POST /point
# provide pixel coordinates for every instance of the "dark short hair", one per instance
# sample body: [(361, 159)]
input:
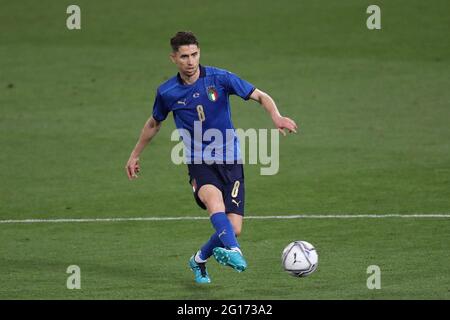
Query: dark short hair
[(183, 38)]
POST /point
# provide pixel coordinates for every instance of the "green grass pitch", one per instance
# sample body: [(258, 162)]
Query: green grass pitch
[(373, 108)]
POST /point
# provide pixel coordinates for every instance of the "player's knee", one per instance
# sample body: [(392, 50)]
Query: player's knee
[(214, 207), (213, 202)]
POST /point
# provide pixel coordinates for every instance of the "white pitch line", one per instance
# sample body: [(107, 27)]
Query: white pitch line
[(301, 216)]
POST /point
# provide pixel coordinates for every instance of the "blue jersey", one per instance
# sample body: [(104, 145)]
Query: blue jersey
[(202, 113)]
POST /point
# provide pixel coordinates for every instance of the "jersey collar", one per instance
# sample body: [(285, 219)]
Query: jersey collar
[(202, 75)]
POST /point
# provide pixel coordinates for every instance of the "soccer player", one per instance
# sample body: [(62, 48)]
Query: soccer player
[(198, 97)]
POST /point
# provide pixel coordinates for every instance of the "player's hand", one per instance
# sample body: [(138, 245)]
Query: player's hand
[(132, 168), (283, 123)]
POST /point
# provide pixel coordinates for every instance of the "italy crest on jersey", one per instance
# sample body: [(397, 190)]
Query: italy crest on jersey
[(212, 94)]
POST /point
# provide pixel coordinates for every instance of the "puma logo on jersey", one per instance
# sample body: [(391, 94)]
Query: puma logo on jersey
[(222, 233), (236, 202), (183, 102)]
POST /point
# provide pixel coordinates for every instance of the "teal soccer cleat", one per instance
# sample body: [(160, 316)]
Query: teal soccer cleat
[(200, 273), (231, 258)]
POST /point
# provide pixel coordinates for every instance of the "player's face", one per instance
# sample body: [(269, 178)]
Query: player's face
[(187, 59)]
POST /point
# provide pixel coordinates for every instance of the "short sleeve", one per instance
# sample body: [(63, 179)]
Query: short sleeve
[(160, 111), (238, 86)]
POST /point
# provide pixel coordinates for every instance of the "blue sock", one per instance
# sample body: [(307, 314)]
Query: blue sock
[(207, 249), (224, 230)]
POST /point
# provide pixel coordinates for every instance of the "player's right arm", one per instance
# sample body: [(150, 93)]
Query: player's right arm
[(267, 102), (150, 129)]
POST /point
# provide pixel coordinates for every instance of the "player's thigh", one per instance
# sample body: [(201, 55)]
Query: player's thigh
[(236, 221), (211, 196)]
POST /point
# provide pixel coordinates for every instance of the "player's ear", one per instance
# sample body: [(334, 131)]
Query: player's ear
[(172, 56)]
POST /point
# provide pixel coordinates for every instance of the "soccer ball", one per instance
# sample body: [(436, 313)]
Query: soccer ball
[(299, 258)]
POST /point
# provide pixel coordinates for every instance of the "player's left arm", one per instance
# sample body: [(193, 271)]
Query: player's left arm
[(279, 121)]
